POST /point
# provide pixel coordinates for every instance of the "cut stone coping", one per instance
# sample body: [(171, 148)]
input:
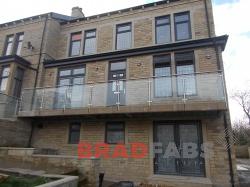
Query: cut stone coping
[(16, 148), (63, 180)]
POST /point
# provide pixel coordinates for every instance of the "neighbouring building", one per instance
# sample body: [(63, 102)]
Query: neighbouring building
[(146, 74)]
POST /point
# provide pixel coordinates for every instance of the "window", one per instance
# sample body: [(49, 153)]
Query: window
[(90, 42), (9, 45), (182, 26), (123, 36), (115, 132), (179, 135), (186, 83), (18, 79), (74, 132), (4, 78), (19, 43), (75, 44), (162, 30), (162, 74), (70, 87)]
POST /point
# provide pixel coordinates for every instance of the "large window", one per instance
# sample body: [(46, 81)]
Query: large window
[(185, 70), (162, 74), (18, 79), (182, 26), (18, 44), (186, 138), (124, 36), (75, 44), (162, 30), (8, 45), (74, 132), (90, 42), (115, 132), (4, 78), (70, 89)]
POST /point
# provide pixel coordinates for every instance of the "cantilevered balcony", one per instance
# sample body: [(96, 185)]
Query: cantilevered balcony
[(189, 92)]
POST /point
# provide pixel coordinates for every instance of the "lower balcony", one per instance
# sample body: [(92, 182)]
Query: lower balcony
[(189, 92)]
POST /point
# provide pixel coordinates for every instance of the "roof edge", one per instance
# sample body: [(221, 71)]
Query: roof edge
[(154, 49)]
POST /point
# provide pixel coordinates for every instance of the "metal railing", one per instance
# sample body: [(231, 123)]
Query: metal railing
[(147, 91), (8, 106)]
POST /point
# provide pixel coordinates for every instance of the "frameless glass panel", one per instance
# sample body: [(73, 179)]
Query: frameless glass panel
[(118, 66), (182, 31), (124, 40), (90, 46), (165, 136), (163, 34), (191, 163), (76, 96), (186, 83), (163, 85)]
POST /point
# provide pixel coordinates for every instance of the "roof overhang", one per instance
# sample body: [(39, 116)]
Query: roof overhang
[(16, 59), (185, 45)]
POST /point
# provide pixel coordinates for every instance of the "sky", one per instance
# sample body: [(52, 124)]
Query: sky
[(231, 17)]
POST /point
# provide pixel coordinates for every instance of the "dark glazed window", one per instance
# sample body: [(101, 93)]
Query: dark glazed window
[(4, 78), (182, 26), (8, 45), (162, 74), (115, 133), (90, 42), (74, 132), (179, 135), (123, 36), (70, 90), (185, 70), (75, 44), (18, 80), (19, 43), (162, 30)]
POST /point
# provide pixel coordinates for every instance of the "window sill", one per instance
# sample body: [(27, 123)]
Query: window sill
[(181, 179)]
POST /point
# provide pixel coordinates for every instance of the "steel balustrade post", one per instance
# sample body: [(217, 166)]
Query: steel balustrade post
[(91, 96), (184, 90), (149, 92), (42, 100), (118, 94)]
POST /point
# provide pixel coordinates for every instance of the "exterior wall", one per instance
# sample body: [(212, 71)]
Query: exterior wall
[(14, 133), (137, 67), (54, 134), (143, 26)]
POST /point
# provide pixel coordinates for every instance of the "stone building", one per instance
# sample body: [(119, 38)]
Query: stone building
[(146, 74)]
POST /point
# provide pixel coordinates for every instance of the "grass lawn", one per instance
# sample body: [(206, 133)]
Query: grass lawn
[(14, 181)]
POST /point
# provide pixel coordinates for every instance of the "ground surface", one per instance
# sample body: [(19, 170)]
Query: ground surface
[(243, 169)]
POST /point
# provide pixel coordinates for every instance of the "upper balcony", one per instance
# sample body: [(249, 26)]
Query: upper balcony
[(189, 92)]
